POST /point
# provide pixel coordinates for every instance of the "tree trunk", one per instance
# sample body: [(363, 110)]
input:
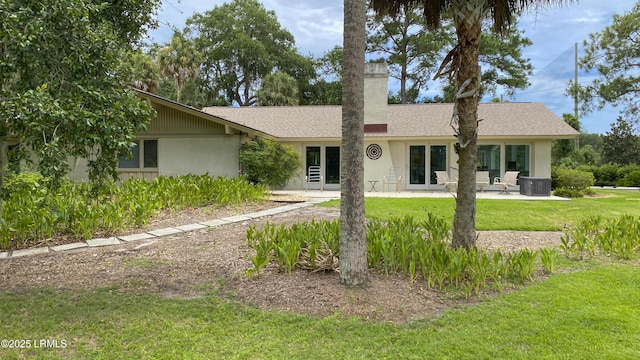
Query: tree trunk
[(353, 240), (403, 71), (468, 18), (3, 166)]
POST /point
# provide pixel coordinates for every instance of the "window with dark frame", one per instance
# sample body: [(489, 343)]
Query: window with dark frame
[(147, 150)]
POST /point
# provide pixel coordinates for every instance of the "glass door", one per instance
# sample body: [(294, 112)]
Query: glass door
[(332, 165), (417, 166), (438, 160), (489, 160), (312, 160)]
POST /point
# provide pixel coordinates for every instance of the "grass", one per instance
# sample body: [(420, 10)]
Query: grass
[(592, 313), (524, 215)]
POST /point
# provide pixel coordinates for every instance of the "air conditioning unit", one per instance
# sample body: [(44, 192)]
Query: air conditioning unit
[(535, 186)]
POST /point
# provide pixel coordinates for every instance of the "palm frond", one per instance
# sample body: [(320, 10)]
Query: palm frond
[(501, 11)]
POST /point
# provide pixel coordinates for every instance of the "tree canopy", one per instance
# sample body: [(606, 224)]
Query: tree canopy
[(620, 145), (180, 61), (241, 43), (279, 89), (412, 52), (64, 73), (615, 54), (326, 87)]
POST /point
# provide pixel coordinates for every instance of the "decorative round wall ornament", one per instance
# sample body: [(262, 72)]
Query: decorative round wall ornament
[(374, 151)]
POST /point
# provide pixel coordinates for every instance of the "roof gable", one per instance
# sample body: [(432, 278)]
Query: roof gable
[(180, 118)]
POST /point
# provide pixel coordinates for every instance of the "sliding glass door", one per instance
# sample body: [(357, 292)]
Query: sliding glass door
[(328, 159), (417, 164), (423, 165), (332, 165)]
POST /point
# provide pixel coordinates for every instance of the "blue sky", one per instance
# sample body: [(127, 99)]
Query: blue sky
[(317, 28)]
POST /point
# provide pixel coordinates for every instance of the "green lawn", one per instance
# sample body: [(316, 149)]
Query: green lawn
[(535, 215), (588, 314)]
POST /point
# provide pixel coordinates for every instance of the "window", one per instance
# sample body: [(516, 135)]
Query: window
[(489, 160), (517, 159), (147, 150)]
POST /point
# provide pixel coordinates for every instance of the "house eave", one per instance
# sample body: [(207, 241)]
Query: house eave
[(199, 113), (386, 137)]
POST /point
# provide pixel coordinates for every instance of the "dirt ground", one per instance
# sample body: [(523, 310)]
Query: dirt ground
[(214, 260)]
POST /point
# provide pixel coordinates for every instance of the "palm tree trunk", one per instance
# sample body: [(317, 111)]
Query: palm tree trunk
[(353, 241), (468, 15)]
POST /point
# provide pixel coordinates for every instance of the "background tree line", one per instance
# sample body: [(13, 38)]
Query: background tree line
[(238, 53)]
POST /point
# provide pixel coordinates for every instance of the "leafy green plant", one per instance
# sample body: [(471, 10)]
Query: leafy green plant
[(631, 179), (612, 237), (521, 265), (399, 245), (573, 179), (268, 162), (606, 175), (567, 193), (549, 258), (35, 211)]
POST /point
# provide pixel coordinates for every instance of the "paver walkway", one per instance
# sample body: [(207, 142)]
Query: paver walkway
[(157, 233)]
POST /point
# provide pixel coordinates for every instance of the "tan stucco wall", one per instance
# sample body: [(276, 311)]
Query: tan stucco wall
[(216, 155), (541, 162), (378, 170), (79, 169), (296, 182)]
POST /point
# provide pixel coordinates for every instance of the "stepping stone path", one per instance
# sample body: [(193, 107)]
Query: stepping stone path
[(158, 233)]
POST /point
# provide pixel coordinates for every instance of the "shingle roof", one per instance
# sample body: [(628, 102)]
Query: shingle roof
[(416, 120)]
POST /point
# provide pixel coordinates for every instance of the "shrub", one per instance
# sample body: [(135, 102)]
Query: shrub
[(567, 193), (606, 175), (631, 179), (574, 179), (269, 163), (554, 177), (24, 183), (628, 175)]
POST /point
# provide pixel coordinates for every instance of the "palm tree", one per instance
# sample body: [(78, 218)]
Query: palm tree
[(279, 89), (353, 241), (462, 63), (146, 72), (179, 60)]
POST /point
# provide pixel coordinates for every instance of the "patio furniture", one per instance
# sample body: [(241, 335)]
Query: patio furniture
[(314, 176), (442, 178), (509, 179), (372, 185), (393, 178), (482, 179)]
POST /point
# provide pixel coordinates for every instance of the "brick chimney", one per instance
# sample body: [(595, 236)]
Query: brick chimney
[(376, 80)]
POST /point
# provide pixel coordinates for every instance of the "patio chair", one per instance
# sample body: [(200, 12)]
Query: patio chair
[(392, 179), (442, 178), (510, 178), (482, 179), (314, 176)]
